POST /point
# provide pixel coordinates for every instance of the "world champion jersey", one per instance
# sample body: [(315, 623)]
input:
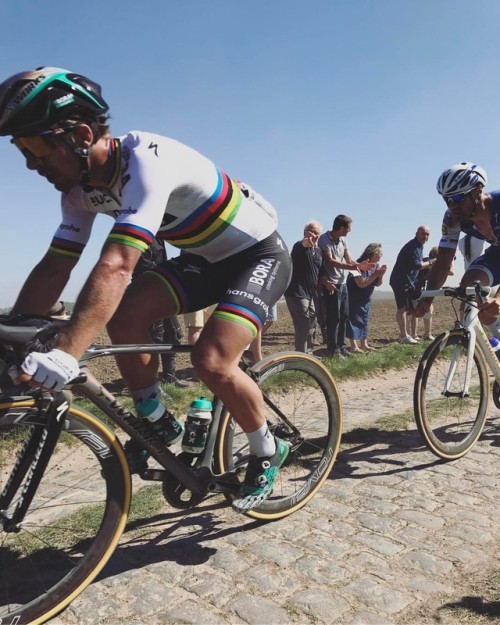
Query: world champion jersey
[(451, 228), (164, 188)]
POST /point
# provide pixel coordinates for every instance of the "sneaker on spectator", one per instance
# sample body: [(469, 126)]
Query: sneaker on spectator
[(338, 354), (429, 337), (415, 337), (259, 479), (169, 378), (408, 340)]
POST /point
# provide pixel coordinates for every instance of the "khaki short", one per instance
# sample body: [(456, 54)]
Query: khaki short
[(198, 318)]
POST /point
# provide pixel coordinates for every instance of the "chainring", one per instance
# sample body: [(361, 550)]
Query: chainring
[(176, 493)]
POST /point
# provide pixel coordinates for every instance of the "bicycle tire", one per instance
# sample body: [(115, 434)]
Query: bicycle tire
[(304, 390), (74, 522), (450, 424)]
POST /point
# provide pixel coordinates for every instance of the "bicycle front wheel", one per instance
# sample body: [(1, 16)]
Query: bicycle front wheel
[(74, 521), (450, 406), (303, 407)]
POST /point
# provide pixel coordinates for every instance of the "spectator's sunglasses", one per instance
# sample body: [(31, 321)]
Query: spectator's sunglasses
[(40, 145), (457, 198)]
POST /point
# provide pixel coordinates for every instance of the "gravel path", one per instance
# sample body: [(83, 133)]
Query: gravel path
[(391, 536)]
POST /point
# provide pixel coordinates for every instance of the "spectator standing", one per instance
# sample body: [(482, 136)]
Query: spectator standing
[(167, 330), (420, 285), (404, 274), (336, 260), (301, 293), (360, 287)]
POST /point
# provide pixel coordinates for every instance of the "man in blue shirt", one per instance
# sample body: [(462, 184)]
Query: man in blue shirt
[(404, 274)]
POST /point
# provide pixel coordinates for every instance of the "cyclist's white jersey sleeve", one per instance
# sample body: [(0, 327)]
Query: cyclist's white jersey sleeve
[(450, 231), (168, 189)]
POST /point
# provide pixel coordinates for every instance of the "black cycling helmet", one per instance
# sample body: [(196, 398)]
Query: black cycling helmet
[(34, 101)]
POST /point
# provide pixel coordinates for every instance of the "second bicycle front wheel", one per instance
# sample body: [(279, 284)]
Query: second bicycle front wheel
[(302, 407), (76, 517), (450, 405)]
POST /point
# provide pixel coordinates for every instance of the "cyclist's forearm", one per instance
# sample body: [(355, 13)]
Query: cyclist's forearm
[(99, 298), (43, 287), (94, 307), (437, 275)]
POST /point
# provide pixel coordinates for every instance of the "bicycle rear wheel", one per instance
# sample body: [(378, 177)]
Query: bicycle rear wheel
[(449, 416), (302, 407), (74, 521)]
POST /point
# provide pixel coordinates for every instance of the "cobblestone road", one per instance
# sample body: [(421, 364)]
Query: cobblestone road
[(392, 529)]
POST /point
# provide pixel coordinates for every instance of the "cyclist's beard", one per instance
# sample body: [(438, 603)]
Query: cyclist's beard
[(462, 214)]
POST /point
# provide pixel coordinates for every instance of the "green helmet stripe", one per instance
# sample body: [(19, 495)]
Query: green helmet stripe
[(62, 77)]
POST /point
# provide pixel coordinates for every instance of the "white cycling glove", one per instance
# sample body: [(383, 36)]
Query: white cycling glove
[(52, 370)]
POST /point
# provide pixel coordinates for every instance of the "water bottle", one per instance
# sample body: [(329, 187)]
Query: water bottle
[(495, 345), (197, 424), (165, 424)]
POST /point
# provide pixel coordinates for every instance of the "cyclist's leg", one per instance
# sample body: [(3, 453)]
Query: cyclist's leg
[(256, 279), (173, 287), (145, 301), (252, 282), (216, 356), (308, 416)]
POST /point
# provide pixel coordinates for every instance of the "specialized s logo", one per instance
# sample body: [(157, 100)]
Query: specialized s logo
[(153, 146)]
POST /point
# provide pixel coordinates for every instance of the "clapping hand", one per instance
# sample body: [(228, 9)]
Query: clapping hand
[(366, 265)]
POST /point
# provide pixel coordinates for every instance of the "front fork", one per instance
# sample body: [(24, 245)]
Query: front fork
[(32, 460), (457, 355)]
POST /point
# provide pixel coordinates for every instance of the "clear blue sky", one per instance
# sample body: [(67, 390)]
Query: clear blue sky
[(325, 107)]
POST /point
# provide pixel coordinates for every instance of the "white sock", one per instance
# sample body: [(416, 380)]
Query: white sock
[(262, 443), (146, 393)]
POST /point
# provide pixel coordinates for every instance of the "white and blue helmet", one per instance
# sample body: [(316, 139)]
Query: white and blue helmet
[(461, 178)]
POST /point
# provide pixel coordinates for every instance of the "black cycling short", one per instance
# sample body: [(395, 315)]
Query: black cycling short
[(244, 286)]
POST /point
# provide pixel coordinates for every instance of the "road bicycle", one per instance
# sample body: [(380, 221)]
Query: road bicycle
[(452, 384), (65, 484)]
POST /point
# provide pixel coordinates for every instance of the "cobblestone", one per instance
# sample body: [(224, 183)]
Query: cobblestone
[(393, 529)]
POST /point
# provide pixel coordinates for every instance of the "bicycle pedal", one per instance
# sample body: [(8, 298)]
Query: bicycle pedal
[(153, 475)]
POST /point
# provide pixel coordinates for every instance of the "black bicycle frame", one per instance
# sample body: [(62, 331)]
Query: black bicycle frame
[(198, 480)]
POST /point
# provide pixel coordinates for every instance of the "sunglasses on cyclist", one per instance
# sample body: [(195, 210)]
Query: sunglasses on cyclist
[(34, 146), (457, 198), (39, 145)]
